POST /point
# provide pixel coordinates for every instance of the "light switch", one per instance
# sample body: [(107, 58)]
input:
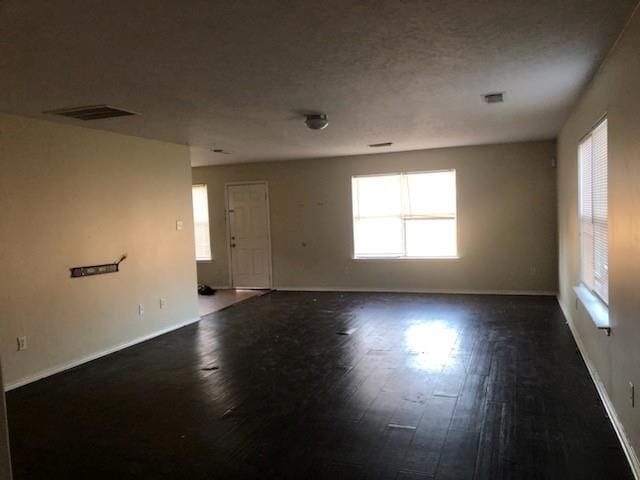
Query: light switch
[(179, 225)]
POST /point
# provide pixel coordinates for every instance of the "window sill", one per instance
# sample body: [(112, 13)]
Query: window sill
[(597, 310), (405, 258)]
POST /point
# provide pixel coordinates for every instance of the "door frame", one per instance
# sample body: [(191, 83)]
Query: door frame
[(228, 226)]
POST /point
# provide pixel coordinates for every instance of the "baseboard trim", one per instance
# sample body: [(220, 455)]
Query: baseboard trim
[(74, 363), (630, 453), (546, 293)]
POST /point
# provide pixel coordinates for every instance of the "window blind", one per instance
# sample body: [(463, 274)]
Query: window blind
[(594, 223), (201, 222)]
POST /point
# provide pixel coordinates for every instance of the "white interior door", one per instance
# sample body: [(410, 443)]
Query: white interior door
[(249, 235)]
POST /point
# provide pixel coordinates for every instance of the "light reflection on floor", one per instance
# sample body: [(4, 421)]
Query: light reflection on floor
[(430, 344)]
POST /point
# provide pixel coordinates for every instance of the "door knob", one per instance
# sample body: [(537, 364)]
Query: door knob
[(233, 245)]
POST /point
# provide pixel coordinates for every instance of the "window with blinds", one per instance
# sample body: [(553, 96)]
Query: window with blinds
[(594, 224), (201, 222), (407, 215)]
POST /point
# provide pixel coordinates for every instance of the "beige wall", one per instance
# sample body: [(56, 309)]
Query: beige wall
[(615, 92), (72, 196), (506, 221)]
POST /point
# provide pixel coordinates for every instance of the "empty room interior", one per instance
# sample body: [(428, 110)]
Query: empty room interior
[(329, 240)]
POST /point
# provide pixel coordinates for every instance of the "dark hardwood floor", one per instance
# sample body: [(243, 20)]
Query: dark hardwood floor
[(281, 386)]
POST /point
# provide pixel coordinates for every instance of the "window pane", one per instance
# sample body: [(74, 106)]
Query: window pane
[(586, 178), (378, 196), (432, 193), (600, 267), (600, 211), (431, 238), (594, 229), (378, 236), (200, 204), (587, 251), (203, 247), (201, 222)]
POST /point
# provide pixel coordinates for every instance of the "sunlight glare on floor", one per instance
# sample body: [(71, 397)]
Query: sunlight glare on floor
[(429, 344)]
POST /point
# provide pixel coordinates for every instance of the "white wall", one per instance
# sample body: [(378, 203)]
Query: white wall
[(72, 196), (614, 91), (506, 221)]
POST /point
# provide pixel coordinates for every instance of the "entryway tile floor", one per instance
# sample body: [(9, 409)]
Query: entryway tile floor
[(223, 299)]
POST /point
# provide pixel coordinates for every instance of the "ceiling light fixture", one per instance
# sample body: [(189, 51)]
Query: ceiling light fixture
[(497, 97), (316, 121)]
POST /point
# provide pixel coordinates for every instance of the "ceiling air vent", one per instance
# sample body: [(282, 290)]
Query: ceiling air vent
[(378, 145), (91, 112), (494, 97)]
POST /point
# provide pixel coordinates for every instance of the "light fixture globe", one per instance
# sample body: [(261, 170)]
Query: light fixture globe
[(316, 121)]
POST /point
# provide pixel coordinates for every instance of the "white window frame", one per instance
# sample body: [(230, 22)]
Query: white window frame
[(404, 218), (210, 258), (585, 289)]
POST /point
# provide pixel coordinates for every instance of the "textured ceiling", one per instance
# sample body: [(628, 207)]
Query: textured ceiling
[(238, 75)]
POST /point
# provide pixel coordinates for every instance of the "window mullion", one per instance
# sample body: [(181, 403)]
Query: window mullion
[(404, 192)]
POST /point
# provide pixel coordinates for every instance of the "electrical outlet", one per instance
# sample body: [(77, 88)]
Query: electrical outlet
[(163, 302), (632, 395), (140, 309), (22, 343)]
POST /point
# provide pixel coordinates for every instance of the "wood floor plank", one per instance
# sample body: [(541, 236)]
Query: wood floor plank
[(425, 387)]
